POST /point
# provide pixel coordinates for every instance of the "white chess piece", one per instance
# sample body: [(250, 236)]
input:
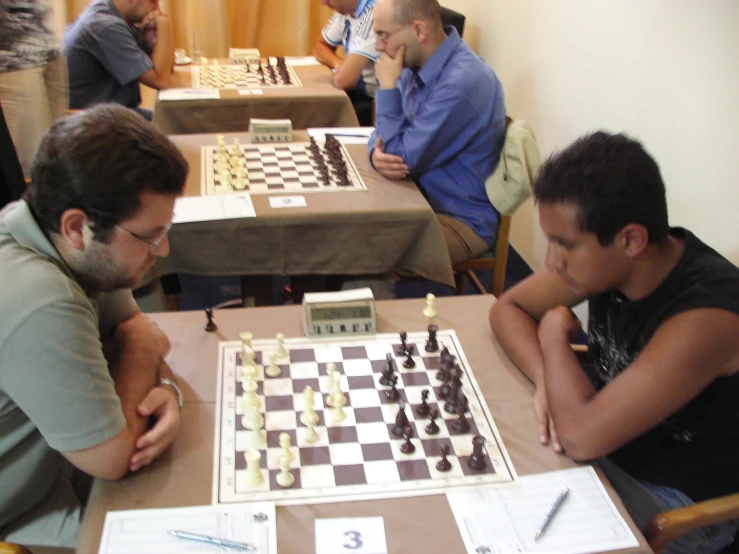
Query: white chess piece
[(430, 310), (281, 352), (338, 401), (285, 478), (253, 420), (309, 417), (253, 475), (331, 375), (246, 338), (273, 370)]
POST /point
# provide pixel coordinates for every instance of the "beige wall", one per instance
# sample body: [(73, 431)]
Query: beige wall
[(662, 70)]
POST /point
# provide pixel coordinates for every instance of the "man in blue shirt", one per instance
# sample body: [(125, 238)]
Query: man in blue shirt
[(440, 120), (108, 55), (351, 27)]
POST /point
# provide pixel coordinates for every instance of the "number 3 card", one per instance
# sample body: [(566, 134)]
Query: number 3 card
[(357, 535)]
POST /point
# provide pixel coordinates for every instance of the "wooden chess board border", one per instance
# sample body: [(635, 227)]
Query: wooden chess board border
[(198, 69), (207, 169), (505, 473)]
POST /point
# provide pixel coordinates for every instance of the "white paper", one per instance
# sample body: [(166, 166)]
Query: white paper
[(505, 520), (359, 535), (189, 94), (251, 91), (287, 202), (145, 531), (301, 60), (213, 208), (347, 135)]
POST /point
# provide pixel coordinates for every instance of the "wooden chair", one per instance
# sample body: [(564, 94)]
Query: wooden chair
[(12, 548), (496, 261), (669, 525)]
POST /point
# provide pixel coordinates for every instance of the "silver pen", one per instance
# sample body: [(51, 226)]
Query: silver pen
[(552, 512), (225, 543)]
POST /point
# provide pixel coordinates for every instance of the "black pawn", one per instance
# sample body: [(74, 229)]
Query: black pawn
[(403, 348), (477, 460), (392, 394), (461, 425), (432, 428), (210, 325), (444, 464), (407, 447), (387, 373), (401, 422), (431, 344), (423, 409), (409, 363)]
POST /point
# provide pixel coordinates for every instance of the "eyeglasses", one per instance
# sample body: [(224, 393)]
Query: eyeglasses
[(153, 242), (383, 37)]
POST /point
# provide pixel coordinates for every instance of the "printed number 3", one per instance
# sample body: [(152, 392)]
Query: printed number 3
[(355, 538)]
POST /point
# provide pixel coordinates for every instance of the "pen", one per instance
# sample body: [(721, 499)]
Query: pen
[(213, 540), (552, 512), (357, 135)]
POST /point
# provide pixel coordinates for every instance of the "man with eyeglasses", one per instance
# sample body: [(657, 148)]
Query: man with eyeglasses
[(351, 27), (440, 120), (83, 382)]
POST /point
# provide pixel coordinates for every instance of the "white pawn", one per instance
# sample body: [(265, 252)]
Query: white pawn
[(285, 478), (281, 352), (246, 338), (273, 370), (430, 310), (309, 417), (253, 475), (331, 375)]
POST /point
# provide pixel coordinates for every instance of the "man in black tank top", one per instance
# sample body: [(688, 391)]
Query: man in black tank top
[(662, 410)]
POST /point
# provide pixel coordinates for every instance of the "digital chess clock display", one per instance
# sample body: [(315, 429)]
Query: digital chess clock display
[(350, 312)]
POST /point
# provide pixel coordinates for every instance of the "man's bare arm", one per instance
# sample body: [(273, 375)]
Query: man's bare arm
[(347, 71), (140, 347), (326, 54), (160, 76)]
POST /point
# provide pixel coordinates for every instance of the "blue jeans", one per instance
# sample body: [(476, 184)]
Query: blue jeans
[(645, 500)]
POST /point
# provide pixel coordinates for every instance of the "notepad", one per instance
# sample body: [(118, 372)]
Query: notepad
[(505, 520), (213, 208)]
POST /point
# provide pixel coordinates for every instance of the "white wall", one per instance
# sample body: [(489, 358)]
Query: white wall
[(666, 71)]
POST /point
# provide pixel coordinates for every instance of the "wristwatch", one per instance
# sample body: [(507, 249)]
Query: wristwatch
[(165, 382)]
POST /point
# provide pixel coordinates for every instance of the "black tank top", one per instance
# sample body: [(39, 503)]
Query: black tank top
[(696, 450)]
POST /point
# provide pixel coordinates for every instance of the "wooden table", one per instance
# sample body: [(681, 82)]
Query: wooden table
[(315, 104), (390, 227), (182, 476)]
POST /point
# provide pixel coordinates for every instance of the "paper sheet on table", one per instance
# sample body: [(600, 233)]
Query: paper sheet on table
[(301, 60), (213, 208), (347, 135), (505, 520), (145, 531), (189, 94)]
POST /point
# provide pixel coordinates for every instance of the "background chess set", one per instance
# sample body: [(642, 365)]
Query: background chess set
[(225, 76), (359, 458), (273, 168)]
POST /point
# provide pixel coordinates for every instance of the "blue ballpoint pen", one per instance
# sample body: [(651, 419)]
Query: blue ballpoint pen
[(246, 547), (552, 513)]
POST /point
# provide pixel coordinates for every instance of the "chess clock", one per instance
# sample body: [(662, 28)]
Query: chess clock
[(270, 130), (342, 313), (243, 56)]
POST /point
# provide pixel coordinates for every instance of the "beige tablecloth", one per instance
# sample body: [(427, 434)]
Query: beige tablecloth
[(422, 525), (390, 227), (315, 104)]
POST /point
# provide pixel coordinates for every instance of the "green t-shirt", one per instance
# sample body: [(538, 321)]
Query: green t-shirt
[(56, 392)]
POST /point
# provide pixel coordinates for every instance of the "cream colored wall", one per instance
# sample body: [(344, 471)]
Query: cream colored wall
[(661, 70)]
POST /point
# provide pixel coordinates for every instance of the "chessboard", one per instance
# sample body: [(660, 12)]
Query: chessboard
[(278, 168), (362, 456), (273, 72)]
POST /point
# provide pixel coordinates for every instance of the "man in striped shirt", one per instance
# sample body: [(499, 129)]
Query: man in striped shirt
[(351, 27)]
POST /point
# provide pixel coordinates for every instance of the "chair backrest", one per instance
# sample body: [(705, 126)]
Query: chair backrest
[(510, 184), (450, 17), (12, 183)]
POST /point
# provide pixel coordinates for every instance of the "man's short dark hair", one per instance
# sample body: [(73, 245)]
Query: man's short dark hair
[(100, 161), (612, 180), (408, 11)]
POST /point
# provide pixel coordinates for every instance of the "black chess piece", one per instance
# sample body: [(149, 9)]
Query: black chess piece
[(392, 394), (444, 464), (401, 421), (477, 459), (432, 344), (407, 447), (403, 348), (409, 363), (432, 428), (388, 371), (423, 409), (210, 325), (445, 354), (461, 425)]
